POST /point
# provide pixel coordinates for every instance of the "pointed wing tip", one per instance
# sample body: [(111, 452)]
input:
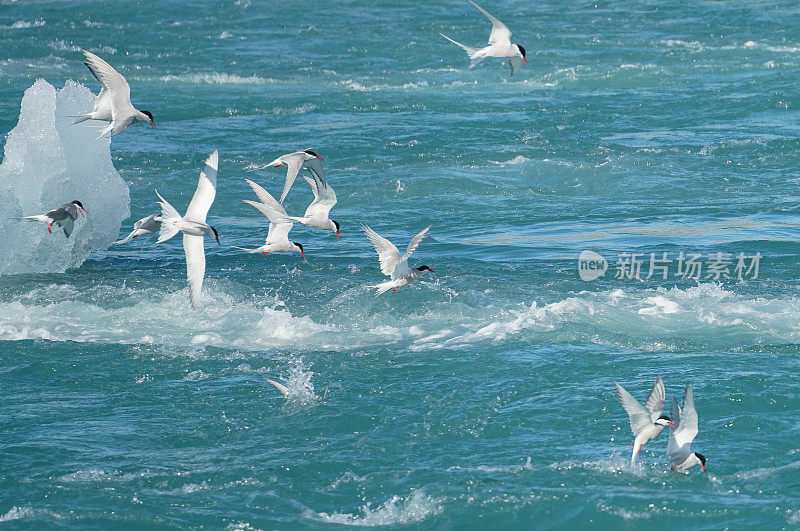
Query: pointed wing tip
[(213, 159)]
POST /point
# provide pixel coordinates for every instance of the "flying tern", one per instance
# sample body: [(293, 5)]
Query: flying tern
[(295, 161), (113, 104), (193, 225), (144, 226), (316, 215), (500, 45), (279, 224), (63, 216), (392, 263)]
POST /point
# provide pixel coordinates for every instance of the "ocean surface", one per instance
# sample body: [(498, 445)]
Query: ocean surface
[(481, 397)]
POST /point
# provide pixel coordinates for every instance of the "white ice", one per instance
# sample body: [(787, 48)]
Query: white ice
[(48, 162)]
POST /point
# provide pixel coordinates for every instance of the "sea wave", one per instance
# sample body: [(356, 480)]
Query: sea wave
[(415, 507)]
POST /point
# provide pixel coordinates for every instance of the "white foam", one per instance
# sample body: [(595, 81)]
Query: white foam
[(153, 317), (24, 24), (415, 507), (17, 513), (48, 162), (216, 78), (519, 159)]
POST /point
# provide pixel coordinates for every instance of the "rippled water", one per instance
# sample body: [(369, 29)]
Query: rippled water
[(481, 397)]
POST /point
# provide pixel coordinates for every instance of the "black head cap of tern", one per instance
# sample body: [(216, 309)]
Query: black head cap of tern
[(78, 203), (425, 268), (150, 115), (216, 234), (300, 247), (312, 153), (702, 459), (522, 51), (668, 421)]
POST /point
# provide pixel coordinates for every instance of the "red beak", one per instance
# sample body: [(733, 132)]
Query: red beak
[(431, 270), (526, 61), (152, 124), (672, 424), (304, 255), (320, 158), (337, 234), (704, 467)]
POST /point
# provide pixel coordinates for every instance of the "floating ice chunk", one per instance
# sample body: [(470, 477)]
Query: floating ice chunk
[(48, 162)]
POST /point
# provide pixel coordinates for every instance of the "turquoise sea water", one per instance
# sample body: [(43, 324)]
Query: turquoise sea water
[(481, 397)]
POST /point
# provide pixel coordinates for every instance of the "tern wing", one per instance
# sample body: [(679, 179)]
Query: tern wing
[(315, 167), (265, 197), (67, 225), (324, 198), (638, 414), (655, 401), (114, 82), (206, 190), (103, 103), (388, 255), (500, 32), (167, 211), (680, 439), (293, 161), (279, 224), (515, 63), (195, 265), (415, 241), (280, 387)]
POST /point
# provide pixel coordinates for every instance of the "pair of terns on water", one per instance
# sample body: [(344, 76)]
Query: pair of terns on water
[(647, 423)]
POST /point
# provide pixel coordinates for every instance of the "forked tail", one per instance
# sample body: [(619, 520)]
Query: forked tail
[(473, 53)]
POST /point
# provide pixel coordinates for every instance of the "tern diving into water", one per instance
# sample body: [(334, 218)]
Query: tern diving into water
[(113, 104), (144, 226), (500, 45), (647, 422), (193, 226), (279, 224), (63, 216), (295, 161), (316, 215), (679, 449), (392, 264)]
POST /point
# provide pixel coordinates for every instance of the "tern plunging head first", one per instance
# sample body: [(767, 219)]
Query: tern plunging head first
[(702, 459), (153, 124), (336, 224)]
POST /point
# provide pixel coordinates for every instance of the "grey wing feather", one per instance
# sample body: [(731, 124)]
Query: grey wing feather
[(315, 167), (67, 224), (638, 414), (415, 241), (515, 63), (655, 401)]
